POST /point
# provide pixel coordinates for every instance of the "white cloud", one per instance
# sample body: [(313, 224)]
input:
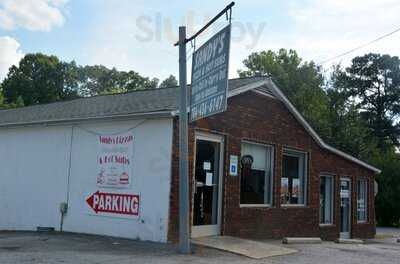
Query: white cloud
[(10, 54), (35, 15), (327, 28), (139, 36), (142, 38)]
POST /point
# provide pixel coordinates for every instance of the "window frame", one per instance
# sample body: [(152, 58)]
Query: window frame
[(333, 189), (298, 154), (272, 162), (366, 201)]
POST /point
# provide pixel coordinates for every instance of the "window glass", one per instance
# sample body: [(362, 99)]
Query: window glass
[(362, 199), (293, 180), (256, 174), (326, 200)]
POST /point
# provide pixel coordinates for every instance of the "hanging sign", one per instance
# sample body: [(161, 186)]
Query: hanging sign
[(114, 203), (115, 161), (210, 76)]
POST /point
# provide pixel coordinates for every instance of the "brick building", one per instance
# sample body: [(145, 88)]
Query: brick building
[(261, 120), (256, 170)]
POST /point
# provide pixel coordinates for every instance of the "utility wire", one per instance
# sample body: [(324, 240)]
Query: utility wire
[(359, 47), (111, 134)]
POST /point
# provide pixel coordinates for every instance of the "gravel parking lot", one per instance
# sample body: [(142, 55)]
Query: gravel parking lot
[(29, 247)]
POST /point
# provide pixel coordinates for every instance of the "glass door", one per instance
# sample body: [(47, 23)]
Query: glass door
[(207, 187), (345, 208)]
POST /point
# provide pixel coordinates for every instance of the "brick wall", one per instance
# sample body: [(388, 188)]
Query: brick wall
[(262, 119)]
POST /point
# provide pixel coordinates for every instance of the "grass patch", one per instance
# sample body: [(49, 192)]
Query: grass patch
[(383, 236)]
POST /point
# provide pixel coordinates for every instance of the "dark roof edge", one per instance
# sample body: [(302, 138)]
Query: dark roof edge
[(111, 94), (279, 95), (87, 98), (156, 114), (312, 132), (237, 91)]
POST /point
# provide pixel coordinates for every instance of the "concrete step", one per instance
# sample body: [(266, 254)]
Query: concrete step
[(349, 241), (301, 240), (249, 248)]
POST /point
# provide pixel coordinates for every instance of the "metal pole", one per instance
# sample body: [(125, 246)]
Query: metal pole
[(184, 243)]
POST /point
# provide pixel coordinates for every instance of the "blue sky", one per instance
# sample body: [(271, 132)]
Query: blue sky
[(138, 35)]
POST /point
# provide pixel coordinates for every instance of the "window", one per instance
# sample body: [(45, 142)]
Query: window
[(326, 200), (293, 181), (362, 200), (256, 174)]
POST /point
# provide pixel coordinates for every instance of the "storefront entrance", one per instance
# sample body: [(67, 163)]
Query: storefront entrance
[(345, 207), (207, 186)]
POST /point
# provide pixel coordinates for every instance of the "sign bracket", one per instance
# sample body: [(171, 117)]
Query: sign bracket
[(184, 241), (226, 9)]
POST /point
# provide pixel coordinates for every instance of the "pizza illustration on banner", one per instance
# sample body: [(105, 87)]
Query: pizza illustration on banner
[(115, 160)]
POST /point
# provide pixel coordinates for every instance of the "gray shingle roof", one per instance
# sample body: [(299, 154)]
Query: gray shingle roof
[(144, 101)]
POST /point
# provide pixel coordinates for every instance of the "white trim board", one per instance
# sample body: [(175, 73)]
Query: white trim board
[(280, 96), (311, 131)]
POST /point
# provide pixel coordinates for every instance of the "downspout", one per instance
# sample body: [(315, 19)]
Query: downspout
[(64, 205)]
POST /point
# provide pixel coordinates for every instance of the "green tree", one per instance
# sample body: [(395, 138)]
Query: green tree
[(151, 83), (42, 79), (348, 130), (387, 200), (3, 105), (301, 82), (39, 79), (98, 79), (171, 81), (372, 82), (366, 97)]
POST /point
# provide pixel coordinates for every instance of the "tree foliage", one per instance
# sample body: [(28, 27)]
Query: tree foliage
[(171, 81), (41, 78), (356, 110), (3, 105), (98, 79), (373, 83), (300, 81), (348, 131), (387, 201)]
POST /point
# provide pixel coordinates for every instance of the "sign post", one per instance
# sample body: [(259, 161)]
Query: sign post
[(212, 61), (184, 243)]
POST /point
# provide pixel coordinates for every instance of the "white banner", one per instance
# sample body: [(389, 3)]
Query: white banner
[(115, 161)]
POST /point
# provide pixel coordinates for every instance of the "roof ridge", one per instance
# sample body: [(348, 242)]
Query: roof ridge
[(88, 97), (113, 94)]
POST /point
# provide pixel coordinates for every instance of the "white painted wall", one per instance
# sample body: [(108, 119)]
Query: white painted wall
[(33, 176), (34, 165)]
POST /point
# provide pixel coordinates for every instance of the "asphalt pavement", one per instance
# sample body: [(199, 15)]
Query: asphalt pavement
[(43, 248)]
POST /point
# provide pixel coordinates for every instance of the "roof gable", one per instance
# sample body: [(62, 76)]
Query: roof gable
[(279, 95), (152, 102), (268, 88)]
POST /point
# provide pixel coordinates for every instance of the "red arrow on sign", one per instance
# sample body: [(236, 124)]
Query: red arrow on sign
[(114, 203)]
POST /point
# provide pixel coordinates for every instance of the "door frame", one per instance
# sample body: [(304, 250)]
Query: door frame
[(209, 230), (346, 235)]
